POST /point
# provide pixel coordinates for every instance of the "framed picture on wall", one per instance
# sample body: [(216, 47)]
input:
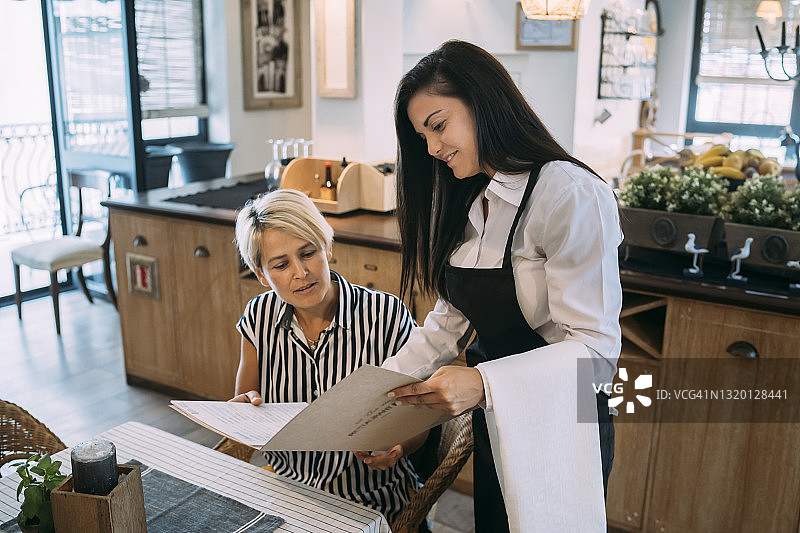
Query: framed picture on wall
[(271, 53), (335, 40), (545, 34)]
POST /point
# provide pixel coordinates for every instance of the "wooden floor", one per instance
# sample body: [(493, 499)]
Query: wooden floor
[(75, 383)]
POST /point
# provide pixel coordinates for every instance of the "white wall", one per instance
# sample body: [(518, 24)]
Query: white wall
[(674, 64), (229, 122), (392, 35), (601, 146), (546, 78), (362, 128), (561, 86)]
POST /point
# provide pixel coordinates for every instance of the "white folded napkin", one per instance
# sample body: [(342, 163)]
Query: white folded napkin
[(548, 463)]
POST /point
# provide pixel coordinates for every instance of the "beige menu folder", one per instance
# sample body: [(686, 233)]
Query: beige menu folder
[(354, 414)]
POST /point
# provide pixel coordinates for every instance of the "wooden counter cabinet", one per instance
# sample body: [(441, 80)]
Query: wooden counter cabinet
[(186, 337), (695, 470), (634, 445), (729, 476), (377, 269)]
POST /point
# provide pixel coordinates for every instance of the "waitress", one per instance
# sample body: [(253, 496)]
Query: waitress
[(517, 237)]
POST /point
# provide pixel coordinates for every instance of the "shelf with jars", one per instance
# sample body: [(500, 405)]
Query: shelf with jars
[(628, 52)]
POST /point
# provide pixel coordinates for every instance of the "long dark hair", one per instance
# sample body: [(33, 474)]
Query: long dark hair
[(432, 204)]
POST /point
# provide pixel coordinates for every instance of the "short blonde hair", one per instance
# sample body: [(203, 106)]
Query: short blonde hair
[(285, 210)]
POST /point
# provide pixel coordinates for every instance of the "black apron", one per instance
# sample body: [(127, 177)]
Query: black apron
[(487, 297)]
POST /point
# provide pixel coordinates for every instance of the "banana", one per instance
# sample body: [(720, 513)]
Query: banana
[(712, 161), (733, 161), (728, 172), (717, 149)]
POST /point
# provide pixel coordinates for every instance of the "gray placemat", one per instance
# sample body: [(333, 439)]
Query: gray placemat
[(171, 504), (10, 526)]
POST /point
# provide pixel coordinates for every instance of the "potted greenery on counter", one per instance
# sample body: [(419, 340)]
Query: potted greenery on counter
[(793, 209), (698, 192), (38, 479), (663, 207), (647, 189), (763, 210)]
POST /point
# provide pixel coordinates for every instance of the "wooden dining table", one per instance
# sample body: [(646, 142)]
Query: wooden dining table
[(304, 508)]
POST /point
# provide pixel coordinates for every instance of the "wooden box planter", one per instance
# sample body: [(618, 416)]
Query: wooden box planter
[(771, 247), (663, 230), (121, 511)]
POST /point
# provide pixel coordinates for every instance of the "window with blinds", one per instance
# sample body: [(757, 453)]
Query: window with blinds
[(730, 90), (169, 40)]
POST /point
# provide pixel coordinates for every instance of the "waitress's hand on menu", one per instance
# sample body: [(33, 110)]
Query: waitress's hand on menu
[(454, 389), (250, 396), (381, 460)]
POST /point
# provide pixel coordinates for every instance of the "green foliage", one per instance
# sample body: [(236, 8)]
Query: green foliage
[(761, 201), (793, 209), (36, 506), (648, 188), (698, 192)]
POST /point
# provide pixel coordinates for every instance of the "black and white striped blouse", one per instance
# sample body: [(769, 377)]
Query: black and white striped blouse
[(369, 327)]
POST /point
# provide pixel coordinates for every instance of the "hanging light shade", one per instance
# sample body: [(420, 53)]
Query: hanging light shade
[(769, 10), (555, 9)]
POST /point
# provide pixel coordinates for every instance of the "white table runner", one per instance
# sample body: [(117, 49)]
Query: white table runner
[(304, 508)]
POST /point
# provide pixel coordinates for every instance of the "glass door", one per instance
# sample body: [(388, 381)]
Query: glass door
[(97, 123), (92, 85)]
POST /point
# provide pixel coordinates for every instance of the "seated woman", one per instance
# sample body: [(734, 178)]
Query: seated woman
[(308, 333)]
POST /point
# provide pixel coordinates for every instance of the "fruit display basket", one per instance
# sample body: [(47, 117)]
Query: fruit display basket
[(736, 165)]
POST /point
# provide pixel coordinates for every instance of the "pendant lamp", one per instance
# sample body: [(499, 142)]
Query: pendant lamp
[(555, 9), (769, 10)]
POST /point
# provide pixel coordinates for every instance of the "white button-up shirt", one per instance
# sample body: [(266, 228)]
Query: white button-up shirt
[(564, 257)]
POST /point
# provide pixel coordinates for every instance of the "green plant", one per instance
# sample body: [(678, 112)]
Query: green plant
[(761, 201), (648, 188), (36, 508), (793, 209), (698, 192)]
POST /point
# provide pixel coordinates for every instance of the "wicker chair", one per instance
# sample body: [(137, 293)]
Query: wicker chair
[(455, 447), (22, 435)]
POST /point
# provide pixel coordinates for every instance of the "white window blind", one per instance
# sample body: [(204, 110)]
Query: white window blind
[(732, 84), (170, 53)]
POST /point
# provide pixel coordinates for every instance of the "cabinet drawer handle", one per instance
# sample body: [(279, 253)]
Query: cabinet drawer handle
[(333, 261), (743, 349), (139, 241), (201, 251), (370, 285), (371, 267)]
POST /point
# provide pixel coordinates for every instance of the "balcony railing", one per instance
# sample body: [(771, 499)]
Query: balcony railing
[(27, 178)]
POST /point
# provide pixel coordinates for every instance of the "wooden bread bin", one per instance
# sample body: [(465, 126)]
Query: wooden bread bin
[(358, 185)]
